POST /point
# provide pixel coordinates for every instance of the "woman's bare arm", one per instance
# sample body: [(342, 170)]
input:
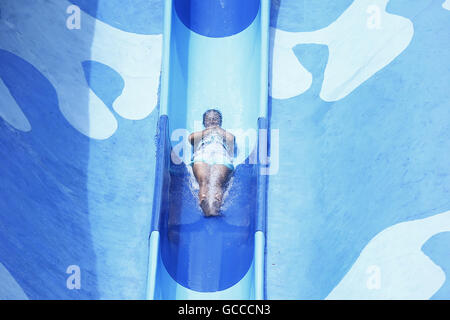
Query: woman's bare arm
[(229, 138), (195, 137)]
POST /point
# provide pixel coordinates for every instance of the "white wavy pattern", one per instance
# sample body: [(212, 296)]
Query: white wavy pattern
[(362, 41), (403, 270), (10, 111), (446, 5), (37, 33)]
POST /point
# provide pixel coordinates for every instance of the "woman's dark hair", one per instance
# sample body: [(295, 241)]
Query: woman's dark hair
[(212, 117)]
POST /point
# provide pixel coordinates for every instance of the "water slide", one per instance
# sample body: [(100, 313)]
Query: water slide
[(215, 55)]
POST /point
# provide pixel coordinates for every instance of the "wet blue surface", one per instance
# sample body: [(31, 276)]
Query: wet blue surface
[(211, 254), (196, 249), (217, 18)]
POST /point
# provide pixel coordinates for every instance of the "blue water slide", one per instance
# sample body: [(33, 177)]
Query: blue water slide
[(215, 55)]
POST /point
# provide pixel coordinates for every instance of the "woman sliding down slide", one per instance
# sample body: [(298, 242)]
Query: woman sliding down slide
[(212, 161)]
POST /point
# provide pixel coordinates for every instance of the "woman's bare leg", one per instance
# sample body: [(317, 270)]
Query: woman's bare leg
[(219, 175), (202, 172), (211, 179)]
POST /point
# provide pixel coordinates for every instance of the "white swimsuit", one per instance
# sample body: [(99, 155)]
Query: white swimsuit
[(213, 149)]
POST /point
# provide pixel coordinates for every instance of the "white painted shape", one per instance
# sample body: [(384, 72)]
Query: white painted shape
[(10, 111), (137, 58), (405, 271), (356, 52), (9, 288), (288, 76), (361, 51), (446, 5)]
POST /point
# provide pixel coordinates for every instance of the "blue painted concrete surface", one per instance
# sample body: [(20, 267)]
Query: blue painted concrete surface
[(67, 199), (360, 164)]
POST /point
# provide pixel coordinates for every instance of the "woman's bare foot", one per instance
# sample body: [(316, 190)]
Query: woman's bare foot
[(216, 203), (201, 197), (205, 207), (215, 208), (210, 207)]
